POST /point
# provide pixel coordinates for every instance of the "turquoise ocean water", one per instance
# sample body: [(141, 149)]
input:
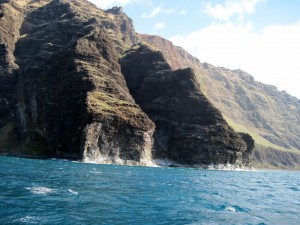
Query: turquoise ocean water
[(63, 192)]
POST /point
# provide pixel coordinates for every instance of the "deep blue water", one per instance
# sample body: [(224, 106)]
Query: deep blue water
[(63, 192)]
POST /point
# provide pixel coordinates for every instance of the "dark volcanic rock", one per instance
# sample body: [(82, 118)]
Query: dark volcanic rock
[(271, 117), (11, 18), (10, 23), (62, 93), (189, 129), (72, 100), (124, 27), (248, 154)]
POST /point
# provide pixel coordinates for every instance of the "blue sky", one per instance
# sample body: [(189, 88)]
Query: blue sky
[(184, 16), (261, 37)]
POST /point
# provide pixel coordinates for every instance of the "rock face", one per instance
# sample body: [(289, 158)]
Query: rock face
[(247, 155), (62, 92), (11, 18), (72, 100), (270, 116), (189, 129)]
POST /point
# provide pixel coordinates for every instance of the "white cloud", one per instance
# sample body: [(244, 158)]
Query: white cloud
[(231, 8), (271, 55), (182, 12), (159, 25), (106, 4), (156, 11)]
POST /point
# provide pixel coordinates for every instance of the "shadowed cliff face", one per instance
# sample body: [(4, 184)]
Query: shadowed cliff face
[(189, 129), (62, 93), (271, 117), (71, 98), (11, 18)]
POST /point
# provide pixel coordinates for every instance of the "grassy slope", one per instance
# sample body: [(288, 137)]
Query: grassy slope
[(267, 154), (269, 116), (259, 140)]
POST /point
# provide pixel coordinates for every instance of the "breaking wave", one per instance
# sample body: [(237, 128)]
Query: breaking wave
[(40, 190), (72, 192)]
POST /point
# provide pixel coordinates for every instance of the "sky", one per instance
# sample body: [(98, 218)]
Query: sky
[(261, 37)]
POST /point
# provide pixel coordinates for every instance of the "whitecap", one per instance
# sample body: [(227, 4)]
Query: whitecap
[(95, 172), (73, 192), (230, 209), (27, 219), (40, 190)]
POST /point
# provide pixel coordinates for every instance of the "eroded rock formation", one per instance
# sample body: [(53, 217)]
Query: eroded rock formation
[(189, 129), (63, 94), (270, 116), (72, 100)]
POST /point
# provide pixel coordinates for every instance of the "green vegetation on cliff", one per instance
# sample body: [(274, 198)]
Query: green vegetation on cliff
[(271, 117)]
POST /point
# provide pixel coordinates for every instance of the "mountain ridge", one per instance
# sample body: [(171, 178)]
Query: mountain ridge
[(72, 99), (210, 75), (189, 129)]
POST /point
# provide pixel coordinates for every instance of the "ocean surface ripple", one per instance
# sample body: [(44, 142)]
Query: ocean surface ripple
[(63, 192)]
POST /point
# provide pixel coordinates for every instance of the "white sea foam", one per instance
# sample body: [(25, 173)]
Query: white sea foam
[(27, 220), (73, 192), (230, 209), (118, 161), (40, 190), (95, 172), (91, 161), (163, 163), (229, 167)]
